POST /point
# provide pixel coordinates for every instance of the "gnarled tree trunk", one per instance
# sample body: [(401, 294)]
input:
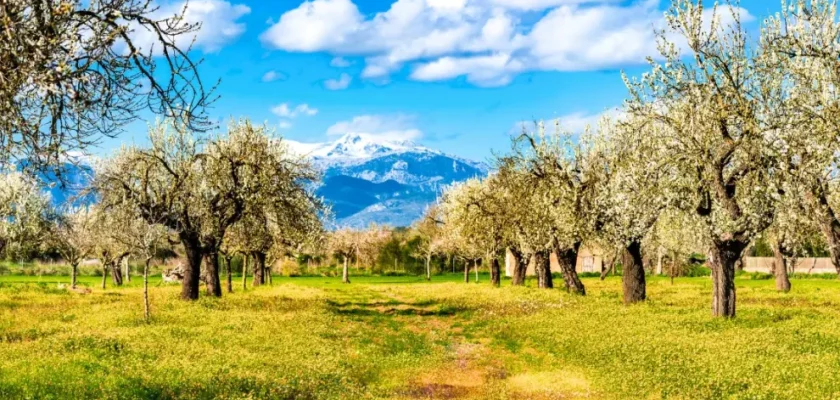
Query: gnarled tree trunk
[(724, 254), (607, 267), (259, 269), (520, 268), (633, 279), (211, 267), (495, 272), (780, 268), (542, 265), (192, 269), (567, 258)]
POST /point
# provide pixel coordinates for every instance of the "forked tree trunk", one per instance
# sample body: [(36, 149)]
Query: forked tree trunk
[(724, 254), (345, 273), (567, 258), (466, 271), (520, 267), (147, 312), (780, 268), (244, 272), (74, 268), (495, 272), (229, 274), (259, 269), (211, 267), (192, 270), (633, 279), (542, 265)]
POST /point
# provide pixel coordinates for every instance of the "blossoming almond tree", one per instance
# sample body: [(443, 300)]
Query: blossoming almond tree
[(74, 71), (721, 107), (73, 237)]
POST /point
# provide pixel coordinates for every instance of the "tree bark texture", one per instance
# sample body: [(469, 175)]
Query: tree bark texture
[(495, 272), (192, 270), (104, 275), (542, 265), (211, 268), (477, 267), (116, 272), (633, 279), (567, 258), (520, 268), (780, 268), (606, 268), (259, 269), (244, 272), (724, 254)]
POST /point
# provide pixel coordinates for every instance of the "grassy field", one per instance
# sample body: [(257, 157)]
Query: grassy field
[(401, 338)]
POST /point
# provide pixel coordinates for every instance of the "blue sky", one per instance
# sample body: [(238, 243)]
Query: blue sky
[(456, 75)]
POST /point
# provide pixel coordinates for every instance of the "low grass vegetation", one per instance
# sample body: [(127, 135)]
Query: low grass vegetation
[(398, 337)]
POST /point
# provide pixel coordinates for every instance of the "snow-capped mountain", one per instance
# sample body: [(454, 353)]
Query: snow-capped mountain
[(367, 179)]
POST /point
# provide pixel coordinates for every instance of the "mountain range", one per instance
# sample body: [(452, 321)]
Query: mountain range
[(371, 180)]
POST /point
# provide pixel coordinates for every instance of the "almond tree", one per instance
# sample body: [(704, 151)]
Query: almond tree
[(430, 231), (344, 243), (72, 235), (74, 71), (107, 227), (720, 109), (565, 179), (25, 214), (804, 37)]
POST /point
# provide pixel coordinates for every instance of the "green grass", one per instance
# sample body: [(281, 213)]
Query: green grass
[(400, 337)]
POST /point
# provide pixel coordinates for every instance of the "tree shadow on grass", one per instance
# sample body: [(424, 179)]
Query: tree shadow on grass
[(392, 307)]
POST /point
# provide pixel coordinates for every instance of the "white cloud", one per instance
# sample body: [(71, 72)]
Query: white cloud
[(286, 110), (340, 62), (338, 84), (386, 127), (218, 19), (272, 76), (487, 41)]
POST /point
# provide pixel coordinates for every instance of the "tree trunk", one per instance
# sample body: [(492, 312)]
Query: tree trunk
[(780, 268), (829, 225), (211, 267), (116, 272), (345, 273), (542, 265), (104, 274), (127, 269), (259, 269), (495, 272), (633, 279), (659, 260), (428, 267), (244, 272), (74, 268), (567, 258), (673, 266), (477, 265), (268, 274), (192, 273), (229, 274), (605, 269), (466, 271), (520, 268), (724, 254), (147, 313)]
